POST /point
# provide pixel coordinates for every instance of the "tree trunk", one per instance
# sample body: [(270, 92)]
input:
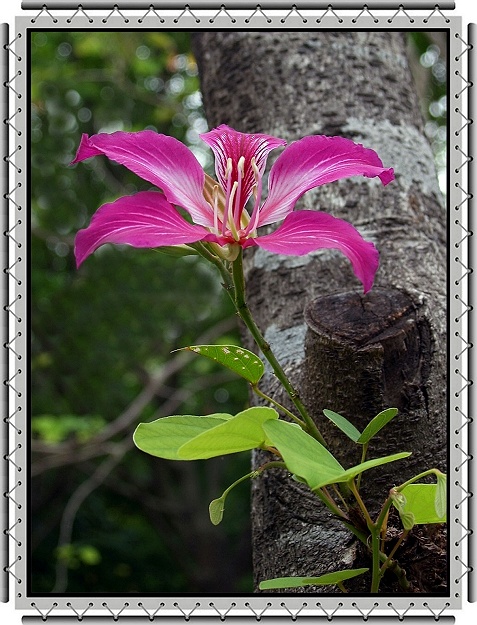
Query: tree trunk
[(350, 353)]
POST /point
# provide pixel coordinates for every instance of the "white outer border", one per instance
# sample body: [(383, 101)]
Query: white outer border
[(253, 606)]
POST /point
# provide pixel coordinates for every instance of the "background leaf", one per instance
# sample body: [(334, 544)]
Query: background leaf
[(240, 433), (322, 580), (440, 502), (246, 364), (377, 424), (302, 454), (421, 502), (343, 424), (216, 510), (369, 464), (311, 461), (164, 437)]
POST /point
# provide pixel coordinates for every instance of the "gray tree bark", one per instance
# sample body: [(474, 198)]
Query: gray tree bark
[(350, 353)]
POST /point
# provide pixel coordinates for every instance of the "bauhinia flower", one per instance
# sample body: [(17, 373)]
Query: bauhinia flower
[(227, 213)]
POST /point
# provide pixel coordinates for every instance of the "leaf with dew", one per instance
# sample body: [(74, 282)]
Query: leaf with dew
[(241, 361)]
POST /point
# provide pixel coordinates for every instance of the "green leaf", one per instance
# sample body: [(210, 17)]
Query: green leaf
[(246, 364), (440, 502), (309, 460), (370, 464), (377, 424), (408, 520), (164, 437), (323, 580), (343, 424), (302, 454), (216, 510), (421, 502), (217, 506), (398, 499), (240, 433)]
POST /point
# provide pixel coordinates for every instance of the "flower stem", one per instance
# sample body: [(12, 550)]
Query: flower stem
[(246, 316), (227, 283)]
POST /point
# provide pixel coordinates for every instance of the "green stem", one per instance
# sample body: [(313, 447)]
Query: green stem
[(376, 569), (274, 464), (338, 492), (362, 506), (416, 478), (246, 316), (393, 551), (375, 532), (279, 406), (330, 503), (227, 283), (394, 566), (364, 451)]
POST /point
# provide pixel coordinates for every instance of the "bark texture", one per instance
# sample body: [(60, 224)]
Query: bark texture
[(351, 353)]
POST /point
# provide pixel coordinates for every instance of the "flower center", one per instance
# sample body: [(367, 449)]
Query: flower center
[(230, 217), (236, 221)]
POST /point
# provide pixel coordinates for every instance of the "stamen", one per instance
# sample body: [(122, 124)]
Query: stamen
[(256, 171), (229, 216), (228, 169), (228, 177), (237, 207), (257, 192), (241, 165), (215, 195)]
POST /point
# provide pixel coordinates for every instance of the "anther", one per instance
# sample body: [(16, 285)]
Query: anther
[(255, 168), (241, 165)]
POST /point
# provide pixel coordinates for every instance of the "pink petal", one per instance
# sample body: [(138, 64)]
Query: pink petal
[(311, 162), (142, 220), (229, 143), (159, 159), (305, 231)]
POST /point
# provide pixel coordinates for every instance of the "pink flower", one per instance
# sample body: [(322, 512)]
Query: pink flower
[(219, 209)]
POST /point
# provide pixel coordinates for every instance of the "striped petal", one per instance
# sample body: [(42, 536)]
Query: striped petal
[(145, 219), (311, 162), (159, 159), (227, 143), (305, 231)]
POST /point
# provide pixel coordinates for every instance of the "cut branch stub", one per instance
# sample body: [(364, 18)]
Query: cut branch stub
[(365, 353), (359, 330)]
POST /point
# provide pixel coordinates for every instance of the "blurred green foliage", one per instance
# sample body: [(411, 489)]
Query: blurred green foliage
[(428, 57), (103, 333)]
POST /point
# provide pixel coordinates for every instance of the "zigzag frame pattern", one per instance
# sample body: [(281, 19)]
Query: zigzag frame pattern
[(14, 314)]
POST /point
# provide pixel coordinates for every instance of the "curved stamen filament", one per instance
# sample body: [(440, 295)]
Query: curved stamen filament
[(229, 217), (215, 195), (237, 207), (258, 197), (228, 191)]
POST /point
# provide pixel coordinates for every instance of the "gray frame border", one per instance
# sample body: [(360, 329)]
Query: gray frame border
[(254, 606)]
